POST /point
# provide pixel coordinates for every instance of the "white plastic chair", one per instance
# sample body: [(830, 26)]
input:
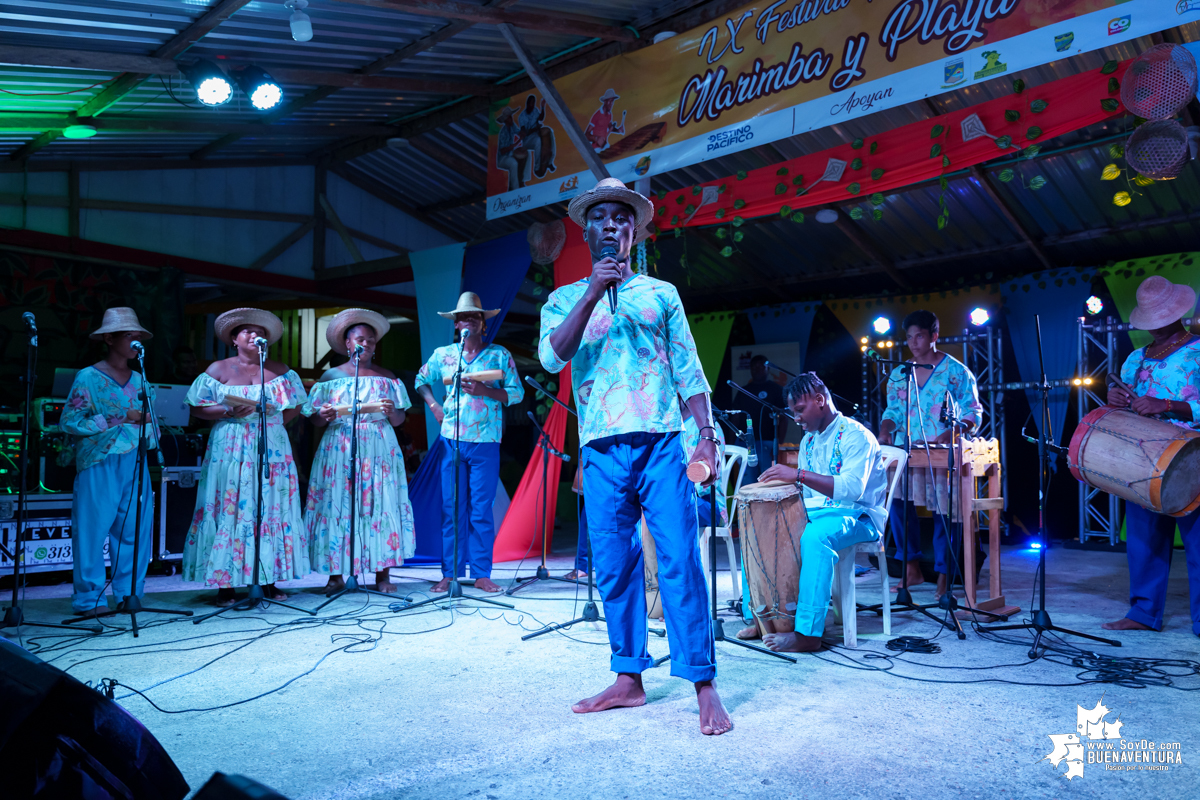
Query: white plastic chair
[(735, 458), (844, 604)]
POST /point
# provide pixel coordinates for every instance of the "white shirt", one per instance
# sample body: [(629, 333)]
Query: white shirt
[(850, 453)]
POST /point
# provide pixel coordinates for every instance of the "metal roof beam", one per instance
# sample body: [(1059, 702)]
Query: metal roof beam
[(57, 122), (558, 22), (1006, 212), (126, 82), (382, 192)]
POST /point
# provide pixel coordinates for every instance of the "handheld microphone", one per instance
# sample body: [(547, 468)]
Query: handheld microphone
[(260, 343), (30, 322), (947, 405), (610, 252), (752, 455)]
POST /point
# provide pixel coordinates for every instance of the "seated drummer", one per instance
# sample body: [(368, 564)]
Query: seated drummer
[(948, 375), (844, 485), (1165, 380)]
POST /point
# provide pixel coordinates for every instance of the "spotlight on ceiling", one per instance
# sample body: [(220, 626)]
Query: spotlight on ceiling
[(881, 325), (299, 21), (827, 215), (79, 131), (980, 316), (261, 88), (1094, 305), (212, 86)]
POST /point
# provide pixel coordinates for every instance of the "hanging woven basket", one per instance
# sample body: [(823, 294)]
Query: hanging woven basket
[(1159, 82), (546, 241), (1158, 150)]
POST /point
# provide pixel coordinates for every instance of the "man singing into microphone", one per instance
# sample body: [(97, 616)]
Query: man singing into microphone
[(627, 369), (936, 374), (478, 416)]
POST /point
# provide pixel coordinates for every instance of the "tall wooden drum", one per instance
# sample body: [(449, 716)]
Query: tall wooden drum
[(772, 520), (1144, 460)]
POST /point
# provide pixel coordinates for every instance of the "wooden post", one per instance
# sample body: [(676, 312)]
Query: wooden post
[(555, 101)]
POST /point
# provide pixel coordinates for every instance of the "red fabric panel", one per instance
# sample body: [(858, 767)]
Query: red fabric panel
[(518, 535), (904, 154)]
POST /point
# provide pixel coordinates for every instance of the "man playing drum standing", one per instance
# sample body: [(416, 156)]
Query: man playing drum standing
[(1165, 380), (627, 370), (841, 478)]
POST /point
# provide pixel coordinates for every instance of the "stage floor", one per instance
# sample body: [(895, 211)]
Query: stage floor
[(434, 704)]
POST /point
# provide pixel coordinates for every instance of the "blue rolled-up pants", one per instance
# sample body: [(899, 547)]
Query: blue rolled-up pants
[(828, 531), (625, 477), (1149, 543), (478, 473), (581, 547), (105, 507)]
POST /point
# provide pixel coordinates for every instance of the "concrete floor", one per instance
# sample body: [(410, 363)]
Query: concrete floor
[(445, 705)]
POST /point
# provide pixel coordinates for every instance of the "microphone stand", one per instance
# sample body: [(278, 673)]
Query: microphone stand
[(132, 605), (454, 590), (854, 407), (548, 450), (1041, 618), (14, 616), (777, 412), (352, 586), (255, 596), (591, 613)]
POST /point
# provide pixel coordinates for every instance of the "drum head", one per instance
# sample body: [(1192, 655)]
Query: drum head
[(767, 492), (1181, 481)]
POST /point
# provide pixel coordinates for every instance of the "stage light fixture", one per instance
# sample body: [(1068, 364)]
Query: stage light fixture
[(980, 316), (1035, 545), (300, 23), (212, 86), (1077, 382), (1094, 305), (261, 88), (827, 215), (864, 340), (881, 325), (79, 131)]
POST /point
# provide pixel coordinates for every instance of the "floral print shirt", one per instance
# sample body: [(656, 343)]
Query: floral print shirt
[(482, 418), (1176, 377), (950, 375), (629, 370), (850, 453), (95, 416)]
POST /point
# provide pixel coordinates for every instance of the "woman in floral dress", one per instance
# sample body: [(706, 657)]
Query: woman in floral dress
[(383, 529), (219, 548)]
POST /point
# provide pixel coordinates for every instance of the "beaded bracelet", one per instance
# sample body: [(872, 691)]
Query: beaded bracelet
[(800, 479)]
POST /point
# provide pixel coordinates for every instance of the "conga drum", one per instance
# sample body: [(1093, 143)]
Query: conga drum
[(772, 520), (1144, 460)]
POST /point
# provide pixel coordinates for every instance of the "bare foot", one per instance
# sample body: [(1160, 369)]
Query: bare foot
[(335, 585), (626, 692), (576, 575), (791, 642), (383, 582), (487, 585), (1126, 624), (749, 632), (440, 586), (714, 719), (272, 592), (915, 576), (225, 597)]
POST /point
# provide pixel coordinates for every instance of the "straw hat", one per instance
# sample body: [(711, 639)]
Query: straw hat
[(119, 319), (335, 334), (228, 322), (613, 190), (1160, 302), (467, 302), (505, 114), (609, 95)]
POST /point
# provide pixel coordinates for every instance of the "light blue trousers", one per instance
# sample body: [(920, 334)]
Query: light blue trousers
[(624, 477), (828, 530), (105, 507)]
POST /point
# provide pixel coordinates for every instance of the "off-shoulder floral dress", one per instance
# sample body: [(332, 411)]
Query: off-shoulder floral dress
[(383, 528), (219, 548)]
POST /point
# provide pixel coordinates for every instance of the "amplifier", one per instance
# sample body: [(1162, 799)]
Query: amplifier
[(46, 413), (177, 491), (10, 461)]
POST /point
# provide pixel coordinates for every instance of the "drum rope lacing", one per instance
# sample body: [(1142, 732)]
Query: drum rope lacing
[(769, 612), (1140, 443)]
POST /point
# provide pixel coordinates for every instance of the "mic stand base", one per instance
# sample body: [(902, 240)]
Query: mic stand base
[(15, 618), (351, 587), (1041, 623), (591, 613), (254, 598), (453, 592), (132, 606), (542, 574)]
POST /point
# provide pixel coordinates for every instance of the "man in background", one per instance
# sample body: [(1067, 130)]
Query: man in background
[(762, 421)]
